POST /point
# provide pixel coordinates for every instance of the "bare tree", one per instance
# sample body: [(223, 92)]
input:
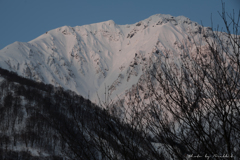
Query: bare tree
[(197, 102)]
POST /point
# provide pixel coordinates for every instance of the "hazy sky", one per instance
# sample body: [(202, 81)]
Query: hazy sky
[(24, 20)]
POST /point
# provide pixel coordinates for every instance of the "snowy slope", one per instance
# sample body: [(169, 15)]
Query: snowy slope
[(98, 58)]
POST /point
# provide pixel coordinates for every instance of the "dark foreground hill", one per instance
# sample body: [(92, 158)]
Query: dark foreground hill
[(39, 121)]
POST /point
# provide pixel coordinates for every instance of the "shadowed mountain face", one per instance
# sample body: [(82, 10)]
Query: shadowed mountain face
[(102, 57)]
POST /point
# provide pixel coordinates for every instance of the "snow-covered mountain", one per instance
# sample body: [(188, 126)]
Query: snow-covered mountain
[(99, 58)]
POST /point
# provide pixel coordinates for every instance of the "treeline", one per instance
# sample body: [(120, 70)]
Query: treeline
[(13, 77)]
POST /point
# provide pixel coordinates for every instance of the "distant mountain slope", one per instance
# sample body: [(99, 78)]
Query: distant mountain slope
[(98, 58)]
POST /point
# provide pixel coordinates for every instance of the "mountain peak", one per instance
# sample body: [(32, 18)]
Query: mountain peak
[(87, 58)]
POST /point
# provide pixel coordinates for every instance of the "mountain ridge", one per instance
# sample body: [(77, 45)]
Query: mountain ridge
[(98, 58)]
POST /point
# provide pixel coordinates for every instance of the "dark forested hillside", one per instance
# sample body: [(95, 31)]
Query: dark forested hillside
[(38, 121)]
